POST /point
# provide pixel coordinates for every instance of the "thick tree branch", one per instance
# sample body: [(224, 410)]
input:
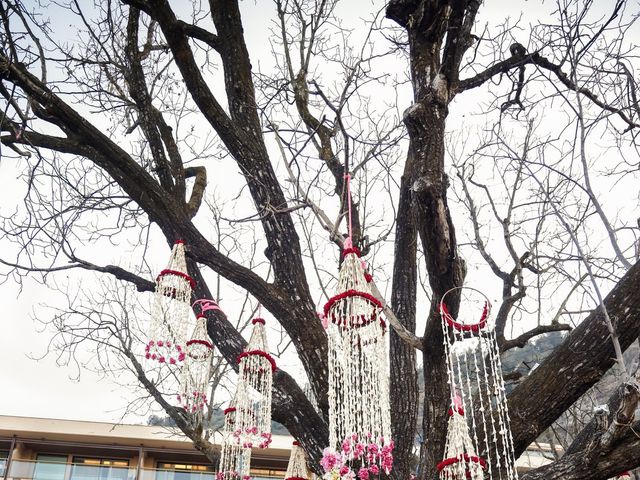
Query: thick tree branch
[(576, 365), (521, 340)]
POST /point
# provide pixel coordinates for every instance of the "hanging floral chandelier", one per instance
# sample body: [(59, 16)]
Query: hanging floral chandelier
[(359, 414), (170, 310), (479, 443), (234, 459), (297, 467), (196, 372), (253, 407)]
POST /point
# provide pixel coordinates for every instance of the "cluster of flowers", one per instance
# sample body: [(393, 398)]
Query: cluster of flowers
[(265, 436), (150, 352), (231, 476), (194, 404), (372, 456)]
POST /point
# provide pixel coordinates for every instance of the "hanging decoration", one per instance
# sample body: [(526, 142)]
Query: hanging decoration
[(256, 367), (196, 371), (170, 310), (297, 467), (461, 460), (359, 414), (479, 443), (235, 460)]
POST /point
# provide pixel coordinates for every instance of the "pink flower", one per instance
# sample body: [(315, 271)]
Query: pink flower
[(172, 361), (374, 469), (181, 357), (363, 474), (344, 470), (346, 446), (358, 450), (148, 355), (219, 476), (331, 459), (161, 359), (153, 357), (160, 343)]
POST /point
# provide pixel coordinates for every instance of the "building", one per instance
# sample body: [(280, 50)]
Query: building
[(49, 449)]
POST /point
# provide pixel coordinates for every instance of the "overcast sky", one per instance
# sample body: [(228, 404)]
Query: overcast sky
[(40, 388)]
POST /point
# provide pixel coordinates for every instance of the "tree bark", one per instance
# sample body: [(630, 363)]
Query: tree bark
[(575, 365)]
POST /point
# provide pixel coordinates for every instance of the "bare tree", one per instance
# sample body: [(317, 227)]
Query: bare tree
[(122, 135)]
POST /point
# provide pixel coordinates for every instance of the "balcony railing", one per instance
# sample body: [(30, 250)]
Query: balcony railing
[(37, 470), (161, 474)]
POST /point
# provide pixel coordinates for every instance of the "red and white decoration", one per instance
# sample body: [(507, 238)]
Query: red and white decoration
[(170, 310), (253, 397), (461, 459), (479, 442), (359, 414), (234, 460), (297, 467), (196, 372)]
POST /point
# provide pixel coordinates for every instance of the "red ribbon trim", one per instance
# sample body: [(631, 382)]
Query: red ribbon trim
[(460, 410), (296, 444), (354, 293), (466, 457), (262, 354), (465, 327), (258, 320), (348, 294), (179, 242), (347, 251), (177, 273), (229, 410), (199, 342)]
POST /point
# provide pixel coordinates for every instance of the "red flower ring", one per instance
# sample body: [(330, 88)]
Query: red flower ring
[(173, 353), (464, 457), (460, 410), (177, 273), (349, 250), (465, 327), (356, 321), (262, 354)]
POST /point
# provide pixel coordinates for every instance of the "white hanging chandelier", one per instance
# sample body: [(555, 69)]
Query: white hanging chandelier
[(196, 372), (235, 461), (253, 407), (359, 413), (479, 443), (170, 310), (297, 466)]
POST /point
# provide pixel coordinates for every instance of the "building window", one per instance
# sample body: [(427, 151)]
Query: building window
[(261, 473), (50, 467), (85, 468), (184, 471), (3, 462)]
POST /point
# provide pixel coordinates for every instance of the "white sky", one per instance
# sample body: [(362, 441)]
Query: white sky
[(40, 388)]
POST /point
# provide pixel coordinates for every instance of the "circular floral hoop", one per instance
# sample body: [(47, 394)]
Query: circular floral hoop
[(164, 351), (461, 326)]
